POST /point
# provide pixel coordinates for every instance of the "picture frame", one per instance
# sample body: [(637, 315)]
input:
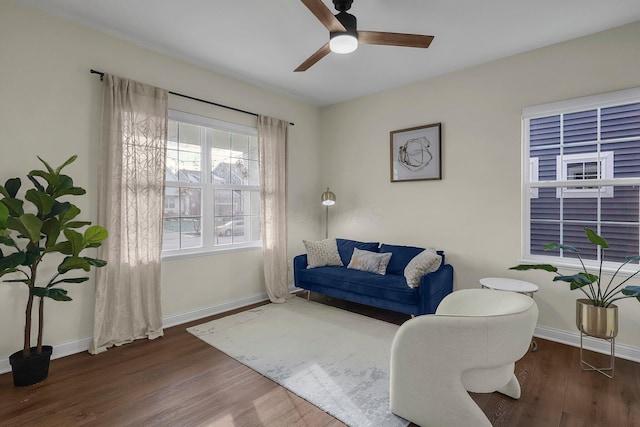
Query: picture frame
[(416, 153)]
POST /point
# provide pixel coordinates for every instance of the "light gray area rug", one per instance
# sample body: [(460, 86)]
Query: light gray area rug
[(337, 360)]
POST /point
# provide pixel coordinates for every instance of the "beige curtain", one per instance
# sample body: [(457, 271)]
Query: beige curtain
[(130, 204), (272, 143)]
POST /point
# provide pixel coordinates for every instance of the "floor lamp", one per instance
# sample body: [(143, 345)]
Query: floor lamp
[(328, 199)]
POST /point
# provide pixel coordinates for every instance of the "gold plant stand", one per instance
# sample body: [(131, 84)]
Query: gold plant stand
[(597, 322), (602, 370)]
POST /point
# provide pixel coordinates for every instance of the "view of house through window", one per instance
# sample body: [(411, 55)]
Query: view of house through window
[(212, 197), (586, 155)]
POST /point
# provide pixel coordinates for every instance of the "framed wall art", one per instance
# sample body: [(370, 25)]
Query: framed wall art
[(415, 153)]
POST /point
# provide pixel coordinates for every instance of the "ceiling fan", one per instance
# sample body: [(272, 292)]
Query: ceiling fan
[(344, 34)]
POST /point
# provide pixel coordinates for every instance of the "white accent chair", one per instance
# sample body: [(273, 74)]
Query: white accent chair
[(471, 344)]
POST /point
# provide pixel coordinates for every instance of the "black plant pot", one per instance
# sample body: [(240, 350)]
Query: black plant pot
[(31, 370)]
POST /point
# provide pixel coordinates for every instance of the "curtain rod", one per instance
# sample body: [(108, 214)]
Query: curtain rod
[(101, 74)]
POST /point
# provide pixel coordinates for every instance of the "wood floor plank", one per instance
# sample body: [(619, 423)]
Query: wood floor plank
[(178, 380)]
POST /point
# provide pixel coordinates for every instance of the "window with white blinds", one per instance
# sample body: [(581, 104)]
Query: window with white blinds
[(586, 153)]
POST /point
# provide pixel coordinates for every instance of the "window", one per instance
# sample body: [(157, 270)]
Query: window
[(212, 193), (582, 169), (571, 167)]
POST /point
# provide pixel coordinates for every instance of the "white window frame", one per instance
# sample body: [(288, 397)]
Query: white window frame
[(534, 173), (605, 171), (600, 101), (208, 189)]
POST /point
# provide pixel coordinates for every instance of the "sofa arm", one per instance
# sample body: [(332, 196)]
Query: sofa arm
[(299, 263), (434, 287)]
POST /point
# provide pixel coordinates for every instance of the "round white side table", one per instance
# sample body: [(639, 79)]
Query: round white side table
[(511, 285)]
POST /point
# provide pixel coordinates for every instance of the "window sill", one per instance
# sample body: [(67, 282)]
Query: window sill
[(199, 252), (592, 267)]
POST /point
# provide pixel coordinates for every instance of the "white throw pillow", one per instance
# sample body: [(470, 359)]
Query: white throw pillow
[(425, 262), (372, 262), (322, 252)]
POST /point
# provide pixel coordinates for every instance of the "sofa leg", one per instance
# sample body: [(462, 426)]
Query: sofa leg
[(308, 295)]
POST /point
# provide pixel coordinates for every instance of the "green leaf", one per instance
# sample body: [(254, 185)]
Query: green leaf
[(577, 280), (10, 262), (51, 178), (58, 294), (51, 229), (25, 281), (69, 161), (42, 201), (70, 213), (96, 262), (76, 224), (28, 225), (8, 271), (12, 186), (76, 241), (545, 267), (633, 258), (4, 214), (595, 239), (71, 280), (76, 191), (94, 234), (62, 247), (73, 263), (46, 165), (32, 225), (53, 293), (36, 183), (552, 246), (14, 206), (60, 209), (7, 241), (632, 291), (65, 187)]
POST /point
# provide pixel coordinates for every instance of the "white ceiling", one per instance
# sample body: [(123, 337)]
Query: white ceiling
[(263, 41)]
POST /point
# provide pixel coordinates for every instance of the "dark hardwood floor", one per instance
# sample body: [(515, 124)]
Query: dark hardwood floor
[(179, 380)]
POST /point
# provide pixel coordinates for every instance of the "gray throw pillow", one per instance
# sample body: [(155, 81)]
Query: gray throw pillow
[(373, 262), (321, 253), (425, 262)]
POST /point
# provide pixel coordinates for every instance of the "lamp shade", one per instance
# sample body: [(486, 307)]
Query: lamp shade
[(328, 198), (343, 43)]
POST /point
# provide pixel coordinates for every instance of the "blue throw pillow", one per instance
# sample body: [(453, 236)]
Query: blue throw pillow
[(345, 248), (401, 255)]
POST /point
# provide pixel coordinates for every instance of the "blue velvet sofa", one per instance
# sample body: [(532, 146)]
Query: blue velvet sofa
[(389, 291)]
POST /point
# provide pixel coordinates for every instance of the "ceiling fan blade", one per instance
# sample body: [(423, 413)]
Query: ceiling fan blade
[(320, 53), (324, 15), (394, 39)]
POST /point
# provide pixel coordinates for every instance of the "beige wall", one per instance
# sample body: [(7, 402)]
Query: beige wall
[(50, 106), (474, 212)]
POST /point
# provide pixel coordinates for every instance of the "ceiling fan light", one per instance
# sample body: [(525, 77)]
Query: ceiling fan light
[(343, 43)]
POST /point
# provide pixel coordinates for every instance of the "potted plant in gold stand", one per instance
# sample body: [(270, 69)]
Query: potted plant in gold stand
[(596, 315)]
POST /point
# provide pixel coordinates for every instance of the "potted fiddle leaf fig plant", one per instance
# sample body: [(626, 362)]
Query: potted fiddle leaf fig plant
[(39, 225), (596, 315)]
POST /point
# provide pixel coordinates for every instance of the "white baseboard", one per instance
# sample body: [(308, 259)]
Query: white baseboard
[(202, 312), (623, 351), (60, 350), (557, 335), (72, 347)]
